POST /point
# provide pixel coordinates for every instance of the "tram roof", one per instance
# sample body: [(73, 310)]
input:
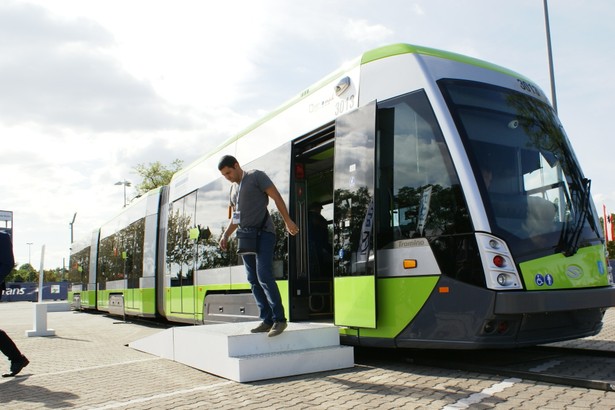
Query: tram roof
[(403, 48), (367, 57)]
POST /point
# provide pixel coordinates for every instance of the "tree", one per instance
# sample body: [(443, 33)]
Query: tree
[(155, 175), (27, 273), (23, 273), (610, 247)]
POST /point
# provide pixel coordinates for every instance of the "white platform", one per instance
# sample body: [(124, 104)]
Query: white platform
[(231, 351)]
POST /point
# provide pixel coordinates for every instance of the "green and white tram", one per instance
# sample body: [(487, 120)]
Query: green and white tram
[(458, 215), (82, 272), (123, 260)]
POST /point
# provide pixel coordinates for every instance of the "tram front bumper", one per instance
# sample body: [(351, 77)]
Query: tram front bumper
[(511, 303)]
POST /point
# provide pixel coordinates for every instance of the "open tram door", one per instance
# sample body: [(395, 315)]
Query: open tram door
[(311, 283), (354, 282), (333, 186)]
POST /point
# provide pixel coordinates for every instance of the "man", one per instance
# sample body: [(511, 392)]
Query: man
[(250, 195), (7, 346), (320, 249)]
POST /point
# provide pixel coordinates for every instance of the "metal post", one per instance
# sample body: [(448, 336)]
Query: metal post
[(125, 183), (549, 51), (41, 277), (30, 252)]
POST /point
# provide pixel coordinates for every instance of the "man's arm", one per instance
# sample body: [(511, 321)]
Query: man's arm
[(228, 231), (274, 194)]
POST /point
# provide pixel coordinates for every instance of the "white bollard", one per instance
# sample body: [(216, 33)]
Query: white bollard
[(40, 309), (40, 322)]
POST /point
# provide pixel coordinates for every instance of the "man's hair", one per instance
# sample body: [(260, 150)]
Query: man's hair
[(227, 161)]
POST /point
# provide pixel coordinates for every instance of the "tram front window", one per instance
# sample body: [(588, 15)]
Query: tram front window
[(533, 190)]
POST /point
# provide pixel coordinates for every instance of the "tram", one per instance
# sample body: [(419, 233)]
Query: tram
[(456, 214), (82, 272), (114, 269)]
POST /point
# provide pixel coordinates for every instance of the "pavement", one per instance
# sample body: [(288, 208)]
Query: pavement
[(87, 365)]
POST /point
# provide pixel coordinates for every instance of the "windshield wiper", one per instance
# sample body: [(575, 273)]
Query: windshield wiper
[(571, 234)]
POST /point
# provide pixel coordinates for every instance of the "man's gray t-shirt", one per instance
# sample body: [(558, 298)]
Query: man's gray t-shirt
[(253, 199)]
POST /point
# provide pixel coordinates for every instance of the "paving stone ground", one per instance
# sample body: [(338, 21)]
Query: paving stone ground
[(87, 365)]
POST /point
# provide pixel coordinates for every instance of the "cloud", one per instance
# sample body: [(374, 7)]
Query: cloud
[(418, 9), (364, 32), (59, 73)]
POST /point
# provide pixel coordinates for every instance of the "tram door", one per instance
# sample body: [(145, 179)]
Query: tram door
[(312, 282), (354, 283), (332, 202)]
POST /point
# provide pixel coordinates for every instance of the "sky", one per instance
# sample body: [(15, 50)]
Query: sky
[(89, 89)]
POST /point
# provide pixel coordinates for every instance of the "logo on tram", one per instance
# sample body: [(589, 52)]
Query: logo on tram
[(574, 272)]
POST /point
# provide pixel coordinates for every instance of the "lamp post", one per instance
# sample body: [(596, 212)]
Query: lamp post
[(125, 183), (29, 260), (72, 225), (29, 254), (550, 55)]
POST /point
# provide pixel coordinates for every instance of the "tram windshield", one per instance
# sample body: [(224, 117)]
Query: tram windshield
[(533, 189)]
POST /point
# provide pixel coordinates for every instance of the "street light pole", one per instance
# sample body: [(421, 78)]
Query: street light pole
[(72, 224), (29, 253), (125, 183), (29, 260), (550, 53)]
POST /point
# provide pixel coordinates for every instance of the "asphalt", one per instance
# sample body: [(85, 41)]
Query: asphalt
[(87, 365)]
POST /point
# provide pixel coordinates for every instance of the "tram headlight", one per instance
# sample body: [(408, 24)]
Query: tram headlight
[(502, 279)]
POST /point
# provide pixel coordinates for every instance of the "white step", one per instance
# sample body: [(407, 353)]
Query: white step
[(231, 351)]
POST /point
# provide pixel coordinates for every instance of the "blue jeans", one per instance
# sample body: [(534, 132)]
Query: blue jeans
[(259, 269)]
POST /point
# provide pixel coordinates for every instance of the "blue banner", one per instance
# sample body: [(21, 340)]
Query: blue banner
[(28, 291)]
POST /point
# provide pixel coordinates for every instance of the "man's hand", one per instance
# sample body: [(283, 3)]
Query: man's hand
[(223, 242), (292, 228)]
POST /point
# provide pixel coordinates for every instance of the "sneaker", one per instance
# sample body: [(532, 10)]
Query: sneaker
[(262, 328), (277, 328), (17, 365)]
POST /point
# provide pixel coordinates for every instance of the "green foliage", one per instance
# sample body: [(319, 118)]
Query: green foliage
[(610, 247), (27, 273), (155, 175)]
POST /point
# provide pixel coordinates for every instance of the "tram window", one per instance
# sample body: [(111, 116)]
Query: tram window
[(521, 141), (149, 245), (120, 254), (418, 188), (180, 248), (79, 266), (276, 164), (211, 218)]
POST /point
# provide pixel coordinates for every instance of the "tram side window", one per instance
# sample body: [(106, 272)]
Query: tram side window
[(79, 267), (276, 164), (212, 220), (206, 211), (132, 257), (180, 248), (120, 255), (149, 245), (419, 191)]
